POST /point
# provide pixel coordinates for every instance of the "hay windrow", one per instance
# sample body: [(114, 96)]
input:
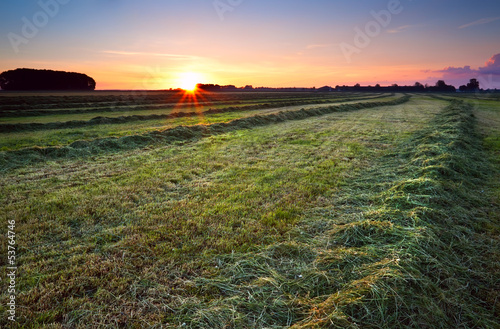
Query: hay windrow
[(117, 108), (384, 218), (27, 156), (418, 257)]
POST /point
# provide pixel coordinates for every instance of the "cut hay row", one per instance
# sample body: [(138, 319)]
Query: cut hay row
[(38, 101), (415, 250), (160, 107), (40, 105), (18, 158)]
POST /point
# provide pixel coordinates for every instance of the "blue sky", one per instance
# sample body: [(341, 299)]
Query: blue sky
[(152, 44)]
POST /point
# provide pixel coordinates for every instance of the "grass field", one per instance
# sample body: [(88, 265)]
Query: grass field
[(353, 211), (35, 127)]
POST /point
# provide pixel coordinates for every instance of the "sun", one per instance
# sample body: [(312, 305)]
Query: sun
[(189, 80)]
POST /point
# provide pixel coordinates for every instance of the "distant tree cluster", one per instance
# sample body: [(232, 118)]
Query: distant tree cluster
[(31, 79), (213, 87), (440, 86), (472, 86)]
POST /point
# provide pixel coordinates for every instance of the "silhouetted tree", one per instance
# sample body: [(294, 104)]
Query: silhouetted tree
[(208, 87), (31, 79), (325, 88), (473, 85), (441, 86)]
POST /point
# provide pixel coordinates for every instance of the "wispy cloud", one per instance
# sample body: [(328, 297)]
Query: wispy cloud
[(480, 22), (314, 46), (402, 28), (132, 53)]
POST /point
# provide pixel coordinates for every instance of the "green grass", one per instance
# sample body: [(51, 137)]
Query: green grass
[(57, 137), (111, 110), (489, 121), (26, 156), (364, 219), (412, 247), (14, 105), (56, 116)]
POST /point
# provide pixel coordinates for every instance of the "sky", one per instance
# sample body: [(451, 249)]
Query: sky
[(159, 44)]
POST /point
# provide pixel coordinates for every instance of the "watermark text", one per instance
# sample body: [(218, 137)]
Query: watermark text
[(31, 27), (224, 6), (373, 28), (11, 270)]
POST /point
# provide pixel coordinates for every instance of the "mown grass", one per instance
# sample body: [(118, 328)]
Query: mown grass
[(61, 118), (36, 104), (26, 156), (118, 240), (93, 129), (365, 219), (86, 120), (411, 248), (487, 111), (430, 249), (194, 103)]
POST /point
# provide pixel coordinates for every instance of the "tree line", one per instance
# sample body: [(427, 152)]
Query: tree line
[(440, 86), (31, 79)]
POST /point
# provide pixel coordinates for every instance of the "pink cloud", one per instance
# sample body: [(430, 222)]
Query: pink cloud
[(466, 70), (488, 76), (492, 66)]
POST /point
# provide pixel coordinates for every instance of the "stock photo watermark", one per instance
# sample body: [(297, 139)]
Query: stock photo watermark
[(152, 80), (224, 6), (486, 83), (40, 19), (11, 270), (363, 37)]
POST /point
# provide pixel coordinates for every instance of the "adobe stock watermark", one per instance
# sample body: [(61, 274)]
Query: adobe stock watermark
[(372, 29), (153, 79), (11, 270), (486, 83), (224, 6), (31, 27)]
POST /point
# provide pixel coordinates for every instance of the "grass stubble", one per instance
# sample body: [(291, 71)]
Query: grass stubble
[(376, 218)]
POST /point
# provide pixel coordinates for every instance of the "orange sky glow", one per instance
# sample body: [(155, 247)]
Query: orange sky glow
[(156, 44)]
